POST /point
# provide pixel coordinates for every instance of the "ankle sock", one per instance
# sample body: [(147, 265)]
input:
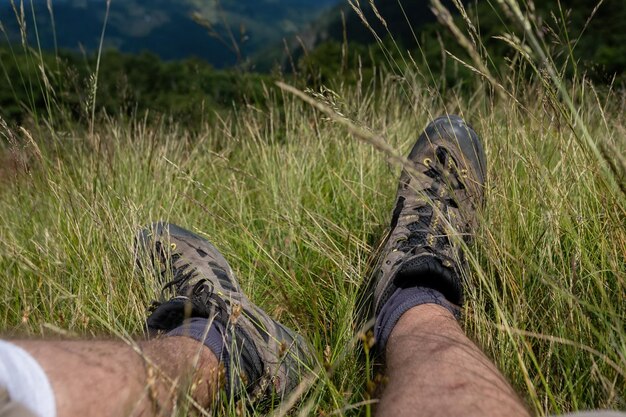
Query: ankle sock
[(241, 360), (402, 300), (215, 338)]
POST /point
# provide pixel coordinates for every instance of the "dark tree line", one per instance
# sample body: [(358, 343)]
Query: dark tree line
[(187, 91), (579, 39)]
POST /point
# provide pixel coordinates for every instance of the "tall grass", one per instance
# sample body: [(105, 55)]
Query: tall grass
[(297, 200)]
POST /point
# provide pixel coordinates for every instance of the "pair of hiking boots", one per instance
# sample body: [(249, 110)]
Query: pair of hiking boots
[(440, 189)]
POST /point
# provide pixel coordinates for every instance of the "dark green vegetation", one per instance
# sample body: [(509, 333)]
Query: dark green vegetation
[(577, 35), (188, 91)]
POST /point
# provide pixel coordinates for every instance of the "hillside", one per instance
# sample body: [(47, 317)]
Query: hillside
[(297, 204), (403, 19), (166, 27)]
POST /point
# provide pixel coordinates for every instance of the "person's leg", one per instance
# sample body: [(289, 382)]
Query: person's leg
[(106, 378), (435, 370), (213, 336), (432, 368)]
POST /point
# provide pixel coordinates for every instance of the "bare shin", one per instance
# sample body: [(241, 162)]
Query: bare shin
[(433, 369), (108, 378)]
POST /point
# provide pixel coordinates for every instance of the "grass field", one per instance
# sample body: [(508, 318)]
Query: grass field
[(296, 199)]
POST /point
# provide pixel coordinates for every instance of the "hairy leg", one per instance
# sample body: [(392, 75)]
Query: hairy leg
[(107, 378), (435, 370)]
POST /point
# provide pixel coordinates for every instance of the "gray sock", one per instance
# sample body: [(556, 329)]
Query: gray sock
[(399, 303), (215, 339)]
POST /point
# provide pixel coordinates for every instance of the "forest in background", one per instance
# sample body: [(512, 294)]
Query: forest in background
[(342, 50)]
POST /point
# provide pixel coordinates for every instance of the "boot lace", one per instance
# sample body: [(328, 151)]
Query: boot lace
[(428, 230), (201, 295)]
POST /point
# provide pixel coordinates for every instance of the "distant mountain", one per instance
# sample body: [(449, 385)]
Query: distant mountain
[(166, 27), (402, 19)]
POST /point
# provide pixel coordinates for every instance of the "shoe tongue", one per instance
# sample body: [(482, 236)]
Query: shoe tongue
[(174, 312), (167, 316), (427, 271)]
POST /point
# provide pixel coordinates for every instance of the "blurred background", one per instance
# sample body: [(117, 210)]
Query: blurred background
[(180, 56)]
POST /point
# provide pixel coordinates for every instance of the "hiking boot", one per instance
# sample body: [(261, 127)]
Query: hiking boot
[(435, 209), (271, 358)]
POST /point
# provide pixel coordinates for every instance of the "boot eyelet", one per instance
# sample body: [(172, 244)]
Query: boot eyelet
[(400, 240)]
